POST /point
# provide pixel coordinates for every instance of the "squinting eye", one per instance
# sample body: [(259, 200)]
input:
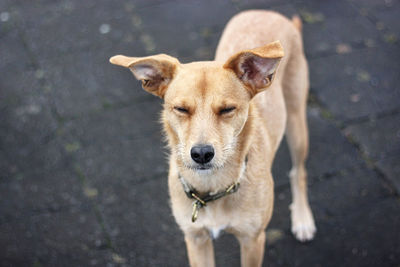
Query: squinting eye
[(226, 110), (181, 110)]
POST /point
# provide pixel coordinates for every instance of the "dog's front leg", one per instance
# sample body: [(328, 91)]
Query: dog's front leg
[(200, 248), (252, 249)]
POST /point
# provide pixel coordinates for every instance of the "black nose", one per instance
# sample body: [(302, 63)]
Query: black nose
[(202, 153)]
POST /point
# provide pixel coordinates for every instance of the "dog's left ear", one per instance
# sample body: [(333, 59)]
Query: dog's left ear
[(155, 72), (256, 68)]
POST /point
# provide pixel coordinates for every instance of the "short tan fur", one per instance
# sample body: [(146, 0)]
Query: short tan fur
[(224, 121)]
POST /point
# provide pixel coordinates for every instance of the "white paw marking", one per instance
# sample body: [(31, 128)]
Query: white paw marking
[(303, 226)]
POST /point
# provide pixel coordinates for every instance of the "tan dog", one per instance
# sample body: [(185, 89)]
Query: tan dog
[(224, 121)]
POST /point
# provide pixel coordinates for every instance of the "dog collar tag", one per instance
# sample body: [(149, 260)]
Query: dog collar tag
[(196, 206)]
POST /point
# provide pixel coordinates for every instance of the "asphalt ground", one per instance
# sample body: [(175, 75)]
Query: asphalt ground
[(83, 165)]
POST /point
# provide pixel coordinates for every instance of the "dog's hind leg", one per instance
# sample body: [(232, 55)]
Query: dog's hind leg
[(295, 88), (200, 248)]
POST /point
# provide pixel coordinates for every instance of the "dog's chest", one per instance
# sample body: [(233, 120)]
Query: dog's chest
[(216, 231), (215, 220), (215, 227)]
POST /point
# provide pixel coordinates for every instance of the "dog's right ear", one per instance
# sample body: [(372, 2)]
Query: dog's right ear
[(155, 72)]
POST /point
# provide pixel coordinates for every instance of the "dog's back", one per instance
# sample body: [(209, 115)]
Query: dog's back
[(255, 28)]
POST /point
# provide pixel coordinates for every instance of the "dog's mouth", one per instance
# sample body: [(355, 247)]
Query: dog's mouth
[(201, 167)]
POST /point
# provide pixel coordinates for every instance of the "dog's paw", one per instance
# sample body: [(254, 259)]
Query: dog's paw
[(303, 226)]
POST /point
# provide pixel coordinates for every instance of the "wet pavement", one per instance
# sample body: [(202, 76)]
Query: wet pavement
[(83, 165)]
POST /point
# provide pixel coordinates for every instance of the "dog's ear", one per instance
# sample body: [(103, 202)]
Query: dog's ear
[(256, 68), (155, 72)]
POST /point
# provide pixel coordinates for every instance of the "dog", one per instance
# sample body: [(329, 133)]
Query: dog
[(224, 121)]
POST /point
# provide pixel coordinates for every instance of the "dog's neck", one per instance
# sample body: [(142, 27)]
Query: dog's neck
[(234, 169)]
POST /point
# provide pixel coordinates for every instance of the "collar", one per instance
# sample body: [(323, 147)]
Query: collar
[(201, 201)]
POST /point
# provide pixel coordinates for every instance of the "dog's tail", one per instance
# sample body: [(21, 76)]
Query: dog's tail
[(296, 20)]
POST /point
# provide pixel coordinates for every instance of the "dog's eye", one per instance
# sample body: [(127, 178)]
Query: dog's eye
[(181, 110), (226, 110)]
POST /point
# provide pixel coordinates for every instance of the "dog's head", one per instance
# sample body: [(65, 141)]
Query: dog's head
[(206, 104)]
